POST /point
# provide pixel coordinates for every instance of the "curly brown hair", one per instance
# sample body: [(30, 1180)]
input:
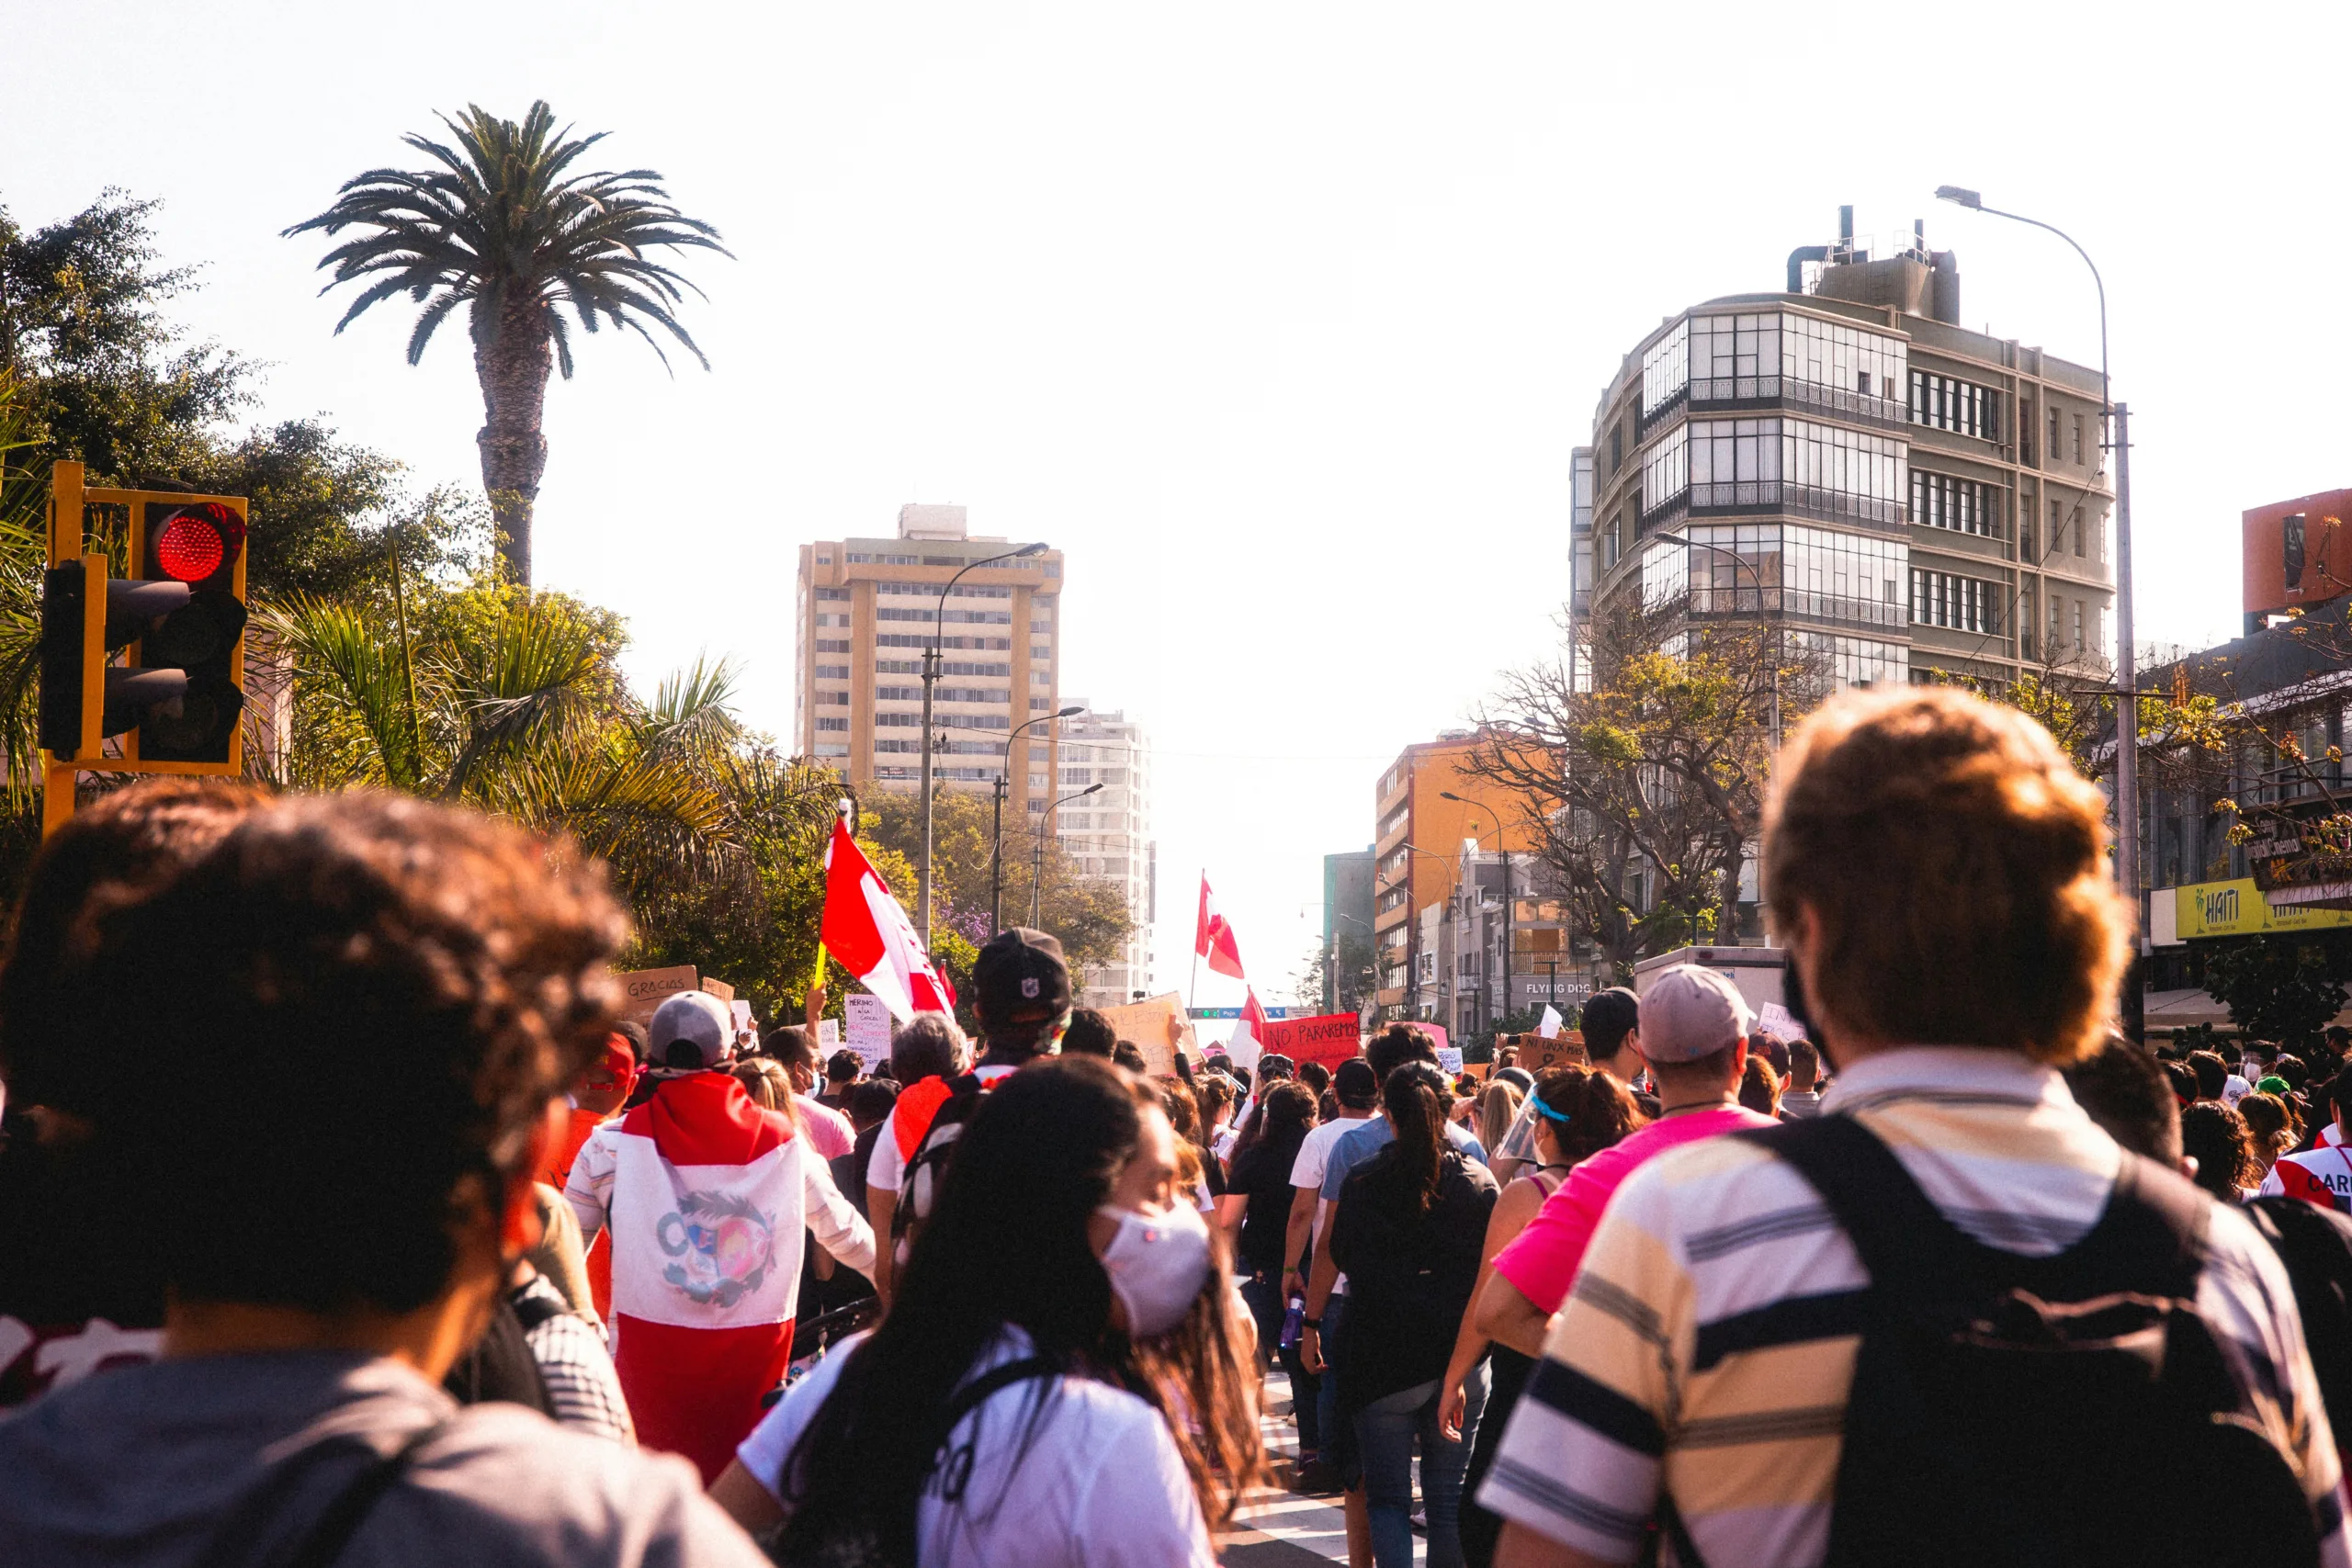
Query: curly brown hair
[(115, 850), (372, 1000), (1957, 868)]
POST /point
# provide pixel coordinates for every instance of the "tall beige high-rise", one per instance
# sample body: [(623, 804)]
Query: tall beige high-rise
[(867, 610)]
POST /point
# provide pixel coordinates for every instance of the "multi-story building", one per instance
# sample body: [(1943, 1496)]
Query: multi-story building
[(1426, 805), (1843, 460), (1347, 928), (869, 607), (1108, 836), (1473, 994)]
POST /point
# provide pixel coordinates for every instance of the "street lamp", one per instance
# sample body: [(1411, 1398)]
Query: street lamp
[(930, 680), (1038, 877), (996, 851), (2115, 420)]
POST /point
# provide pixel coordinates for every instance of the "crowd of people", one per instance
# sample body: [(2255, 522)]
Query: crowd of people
[(403, 1244)]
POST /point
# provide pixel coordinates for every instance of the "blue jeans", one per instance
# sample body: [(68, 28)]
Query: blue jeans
[(1267, 1307), (1387, 1430), (1327, 1397)]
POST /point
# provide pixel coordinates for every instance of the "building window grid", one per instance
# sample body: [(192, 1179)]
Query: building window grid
[(1797, 463), (1959, 603), (1787, 568), (1946, 402), (1666, 469), (1962, 506)]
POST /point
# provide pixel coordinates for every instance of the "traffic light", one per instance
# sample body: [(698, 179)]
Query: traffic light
[(176, 699)]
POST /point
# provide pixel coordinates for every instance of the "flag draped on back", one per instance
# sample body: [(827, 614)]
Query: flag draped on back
[(1213, 939), (866, 930), (1249, 1042)]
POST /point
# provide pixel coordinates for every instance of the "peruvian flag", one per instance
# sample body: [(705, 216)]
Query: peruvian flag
[(1249, 1042), (1213, 939), (870, 934), (708, 1201)]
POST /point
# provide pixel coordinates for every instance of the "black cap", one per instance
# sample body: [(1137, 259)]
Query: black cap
[(1021, 977), (1609, 1017), (1273, 1066), (1355, 1083)]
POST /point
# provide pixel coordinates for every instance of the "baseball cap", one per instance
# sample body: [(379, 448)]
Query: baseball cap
[(1690, 1012), (1274, 1065), (690, 1030), (1355, 1083), (1609, 1017), (1020, 971)]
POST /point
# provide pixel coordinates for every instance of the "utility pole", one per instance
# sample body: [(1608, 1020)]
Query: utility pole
[(2127, 726), (930, 680), (996, 862)]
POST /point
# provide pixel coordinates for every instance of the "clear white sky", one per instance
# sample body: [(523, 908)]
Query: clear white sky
[(1280, 319)]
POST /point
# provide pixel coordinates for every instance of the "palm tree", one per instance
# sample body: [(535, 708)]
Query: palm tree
[(502, 229)]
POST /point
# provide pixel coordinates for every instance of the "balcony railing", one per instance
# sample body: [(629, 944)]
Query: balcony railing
[(1751, 391), (1841, 609), (1784, 497)]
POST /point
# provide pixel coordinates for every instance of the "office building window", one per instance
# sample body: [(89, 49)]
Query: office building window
[(1735, 357), (2057, 610), (1946, 402), (834, 594), (1853, 660), (832, 672), (1666, 369), (2052, 456), (1771, 569), (991, 695), (924, 613), (931, 589), (832, 749), (1819, 469), (1841, 358), (2057, 528), (898, 720), (833, 699), (2078, 438), (856, 555), (1948, 599), (2078, 627), (1039, 704), (1665, 468), (833, 724), (1964, 506), (832, 645), (832, 620), (897, 693)]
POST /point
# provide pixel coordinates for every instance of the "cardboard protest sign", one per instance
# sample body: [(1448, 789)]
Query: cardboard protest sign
[(869, 1028), (642, 991), (1329, 1039), (1537, 1054), (719, 989), (1145, 1023), (829, 1036), (1775, 1020)]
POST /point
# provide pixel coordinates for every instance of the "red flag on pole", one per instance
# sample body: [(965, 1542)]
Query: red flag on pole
[(872, 938), (1213, 939)]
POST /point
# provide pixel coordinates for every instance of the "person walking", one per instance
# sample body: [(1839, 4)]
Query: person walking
[(1256, 1209), (1579, 1112), (1408, 1231), (1858, 1338), (1355, 1099), (710, 1199), (1060, 1379), (328, 1249)]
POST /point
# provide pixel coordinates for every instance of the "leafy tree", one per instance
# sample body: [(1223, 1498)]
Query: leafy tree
[(2280, 987), (1087, 915), (504, 228)]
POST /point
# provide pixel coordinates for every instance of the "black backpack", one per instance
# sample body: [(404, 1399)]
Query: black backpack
[(927, 1166), (2316, 1246), (2061, 1411)]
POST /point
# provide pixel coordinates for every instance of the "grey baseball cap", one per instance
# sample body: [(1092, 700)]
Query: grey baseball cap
[(691, 1030), (1689, 1012)]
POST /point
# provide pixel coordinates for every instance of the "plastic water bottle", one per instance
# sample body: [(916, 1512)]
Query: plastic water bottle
[(1293, 1322)]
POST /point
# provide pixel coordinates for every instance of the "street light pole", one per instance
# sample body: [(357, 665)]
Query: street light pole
[(2115, 421), (996, 851), (1045, 825), (930, 681)]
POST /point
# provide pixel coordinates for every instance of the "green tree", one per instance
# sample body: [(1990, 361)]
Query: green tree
[(1085, 914), (504, 226), (2280, 987)]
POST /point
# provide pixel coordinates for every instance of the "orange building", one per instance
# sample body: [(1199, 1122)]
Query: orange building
[(1417, 853), (2296, 555)]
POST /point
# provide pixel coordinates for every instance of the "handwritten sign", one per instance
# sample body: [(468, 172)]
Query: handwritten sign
[(1774, 1019), (1145, 1024), (1329, 1039), (643, 990), (1449, 1059), (869, 1028)]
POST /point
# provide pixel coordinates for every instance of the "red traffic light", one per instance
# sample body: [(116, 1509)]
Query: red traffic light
[(198, 541)]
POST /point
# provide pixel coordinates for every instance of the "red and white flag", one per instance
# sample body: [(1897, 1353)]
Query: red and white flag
[(1213, 939), (870, 934), (709, 1198), (1249, 1042)]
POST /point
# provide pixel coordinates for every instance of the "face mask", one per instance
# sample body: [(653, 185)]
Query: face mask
[(1157, 1264)]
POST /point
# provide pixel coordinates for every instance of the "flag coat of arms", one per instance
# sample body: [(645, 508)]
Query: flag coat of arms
[(706, 1196)]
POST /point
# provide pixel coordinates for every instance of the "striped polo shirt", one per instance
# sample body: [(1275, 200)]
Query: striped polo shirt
[(1707, 1347)]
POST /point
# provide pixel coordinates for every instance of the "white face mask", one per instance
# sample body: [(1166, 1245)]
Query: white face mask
[(1157, 1264)]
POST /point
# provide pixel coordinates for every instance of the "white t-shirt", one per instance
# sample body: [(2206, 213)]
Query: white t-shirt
[(886, 1166), (1099, 1483), (1306, 1170)]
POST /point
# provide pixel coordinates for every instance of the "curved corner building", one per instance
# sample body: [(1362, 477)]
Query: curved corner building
[(1843, 460)]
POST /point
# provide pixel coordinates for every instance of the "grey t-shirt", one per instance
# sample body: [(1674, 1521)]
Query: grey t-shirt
[(138, 1469)]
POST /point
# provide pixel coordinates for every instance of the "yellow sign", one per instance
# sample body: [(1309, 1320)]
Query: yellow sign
[(2238, 908)]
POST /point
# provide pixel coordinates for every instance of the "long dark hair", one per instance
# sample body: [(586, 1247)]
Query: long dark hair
[(1006, 1243), (1416, 1099)]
